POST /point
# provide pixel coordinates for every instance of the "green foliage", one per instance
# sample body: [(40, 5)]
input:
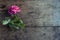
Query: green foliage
[(6, 21), (14, 23)]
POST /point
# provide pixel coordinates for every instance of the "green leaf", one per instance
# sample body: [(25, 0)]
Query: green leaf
[(21, 21), (6, 21), (22, 25), (16, 23)]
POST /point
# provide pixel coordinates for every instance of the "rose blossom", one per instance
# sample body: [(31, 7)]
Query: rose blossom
[(13, 9)]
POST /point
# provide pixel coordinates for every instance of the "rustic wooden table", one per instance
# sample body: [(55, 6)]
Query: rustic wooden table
[(41, 17)]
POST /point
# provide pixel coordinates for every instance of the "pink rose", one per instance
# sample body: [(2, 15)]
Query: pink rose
[(13, 9)]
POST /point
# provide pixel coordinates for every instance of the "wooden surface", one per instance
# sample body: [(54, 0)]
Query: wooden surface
[(41, 17)]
